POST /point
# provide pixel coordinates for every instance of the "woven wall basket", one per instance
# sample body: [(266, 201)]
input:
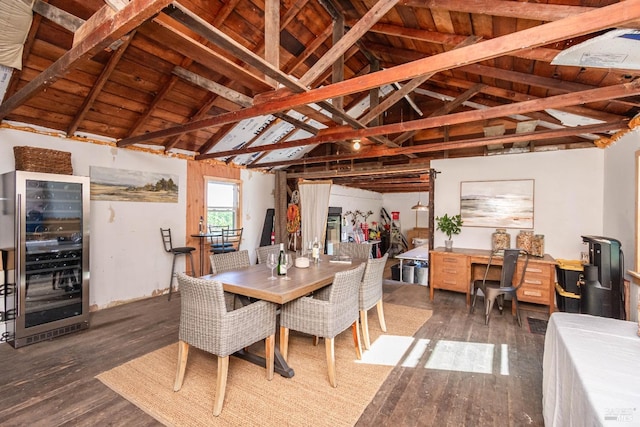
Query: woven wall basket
[(34, 159)]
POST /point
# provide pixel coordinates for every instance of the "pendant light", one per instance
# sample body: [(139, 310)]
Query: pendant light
[(419, 206)]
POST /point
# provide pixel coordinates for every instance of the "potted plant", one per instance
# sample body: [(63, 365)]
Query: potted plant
[(449, 225)]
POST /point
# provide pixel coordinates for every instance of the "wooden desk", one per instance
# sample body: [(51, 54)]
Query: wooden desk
[(253, 282), (455, 270)]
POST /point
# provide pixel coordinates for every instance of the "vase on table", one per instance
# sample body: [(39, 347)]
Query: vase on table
[(448, 245)]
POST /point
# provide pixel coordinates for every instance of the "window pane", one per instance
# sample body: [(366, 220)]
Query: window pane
[(221, 194), (222, 204)]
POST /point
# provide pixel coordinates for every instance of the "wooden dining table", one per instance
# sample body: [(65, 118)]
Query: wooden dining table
[(254, 282)]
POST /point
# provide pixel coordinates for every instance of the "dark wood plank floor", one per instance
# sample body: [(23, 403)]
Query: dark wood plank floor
[(52, 383)]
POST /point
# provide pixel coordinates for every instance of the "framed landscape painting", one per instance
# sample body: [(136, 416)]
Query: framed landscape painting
[(133, 186), (500, 204)]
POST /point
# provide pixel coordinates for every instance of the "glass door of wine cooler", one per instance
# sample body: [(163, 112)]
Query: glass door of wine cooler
[(53, 262)]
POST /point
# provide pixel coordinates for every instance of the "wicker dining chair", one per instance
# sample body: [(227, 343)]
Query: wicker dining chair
[(262, 252), (328, 313), (229, 261), (352, 249), (371, 294), (206, 324)]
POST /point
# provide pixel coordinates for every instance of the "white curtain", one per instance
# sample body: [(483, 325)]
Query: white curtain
[(314, 210)]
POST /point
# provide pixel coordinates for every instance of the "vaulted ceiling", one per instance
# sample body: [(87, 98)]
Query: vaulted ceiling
[(292, 84)]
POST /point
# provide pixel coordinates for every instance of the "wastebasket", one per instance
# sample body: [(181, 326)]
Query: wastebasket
[(408, 270), (421, 274), (395, 272)]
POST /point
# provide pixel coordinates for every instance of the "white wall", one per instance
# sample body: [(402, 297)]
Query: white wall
[(127, 257), (257, 196), (352, 199), (402, 202), (620, 202), (568, 188)]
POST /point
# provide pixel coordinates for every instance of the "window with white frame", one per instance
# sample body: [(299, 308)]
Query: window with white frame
[(223, 203)]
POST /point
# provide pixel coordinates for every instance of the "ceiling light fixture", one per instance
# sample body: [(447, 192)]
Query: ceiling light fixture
[(419, 206), (356, 144)]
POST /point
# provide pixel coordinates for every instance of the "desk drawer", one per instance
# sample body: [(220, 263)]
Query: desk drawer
[(537, 283), (449, 272)]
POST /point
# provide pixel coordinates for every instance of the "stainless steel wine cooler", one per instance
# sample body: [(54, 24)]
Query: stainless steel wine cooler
[(45, 218)]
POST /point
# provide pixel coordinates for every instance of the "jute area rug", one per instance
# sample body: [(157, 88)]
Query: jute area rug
[(304, 400)]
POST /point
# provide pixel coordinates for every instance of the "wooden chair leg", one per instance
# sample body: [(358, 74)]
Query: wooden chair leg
[(193, 268), (269, 352), (316, 340), (221, 384), (284, 342), (383, 324), (356, 338), (365, 329), (331, 360), (183, 353)]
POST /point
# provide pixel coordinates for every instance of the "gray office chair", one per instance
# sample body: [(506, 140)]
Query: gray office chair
[(177, 251)]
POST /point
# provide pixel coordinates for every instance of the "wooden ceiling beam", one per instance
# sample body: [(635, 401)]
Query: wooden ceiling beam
[(102, 35), (223, 41), (407, 88), (357, 31), (558, 101), (378, 152), (511, 95), (557, 85), (214, 35), (114, 59), (603, 18), (536, 54), (385, 170), (63, 18), (508, 9)]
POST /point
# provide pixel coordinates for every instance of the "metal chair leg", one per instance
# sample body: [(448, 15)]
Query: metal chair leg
[(489, 307), (173, 268)]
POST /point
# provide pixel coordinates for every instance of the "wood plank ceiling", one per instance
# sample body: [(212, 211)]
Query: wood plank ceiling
[(291, 84)]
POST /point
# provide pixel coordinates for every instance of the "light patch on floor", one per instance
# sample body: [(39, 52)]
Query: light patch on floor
[(419, 348), (504, 359), (389, 350), (462, 356)]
